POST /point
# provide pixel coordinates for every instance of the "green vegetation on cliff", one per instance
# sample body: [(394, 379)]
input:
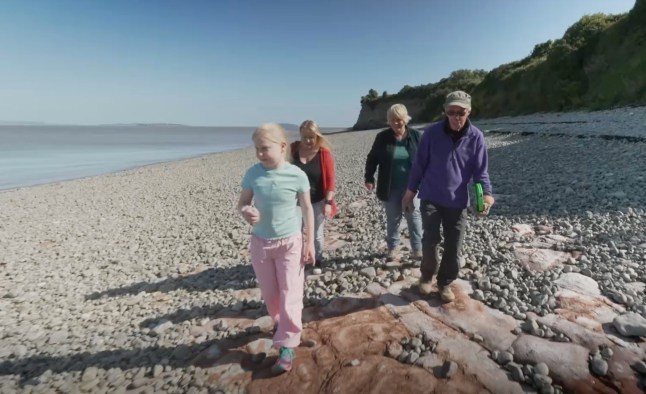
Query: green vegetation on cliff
[(432, 94), (600, 62)]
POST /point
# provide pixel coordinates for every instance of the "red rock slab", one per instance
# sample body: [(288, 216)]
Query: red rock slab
[(362, 336), (229, 375), (522, 230), (340, 306), (384, 375), (539, 259), (578, 333), (366, 332), (568, 363), (373, 374), (620, 373), (469, 316), (350, 329), (590, 312), (472, 359)]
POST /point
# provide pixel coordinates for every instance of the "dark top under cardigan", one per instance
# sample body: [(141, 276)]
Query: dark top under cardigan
[(381, 155)]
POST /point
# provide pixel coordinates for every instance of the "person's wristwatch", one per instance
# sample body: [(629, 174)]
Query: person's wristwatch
[(328, 202)]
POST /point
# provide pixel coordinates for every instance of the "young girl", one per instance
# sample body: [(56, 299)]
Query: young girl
[(278, 250), (312, 155)]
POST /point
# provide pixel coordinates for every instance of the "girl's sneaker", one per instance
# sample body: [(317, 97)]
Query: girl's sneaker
[(284, 361)]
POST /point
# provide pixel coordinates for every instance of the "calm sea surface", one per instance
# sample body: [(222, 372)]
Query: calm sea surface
[(31, 155)]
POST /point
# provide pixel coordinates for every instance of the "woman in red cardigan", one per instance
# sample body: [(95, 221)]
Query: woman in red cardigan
[(312, 155)]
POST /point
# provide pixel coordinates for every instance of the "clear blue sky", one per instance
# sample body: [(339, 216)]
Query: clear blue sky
[(244, 62)]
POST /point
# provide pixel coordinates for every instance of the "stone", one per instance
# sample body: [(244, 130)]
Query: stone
[(161, 327), (541, 380), (542, 369), (157, 370), (353, 363), (630, 324), (260, 345), (599, 366), (579, 283), (394, 349), (640, 366), (429, 361), (90, 373), (412, 357), (505, 357), (309, 343), (516, 372), (606, 353), (264, 323), (368, 272), (449, 368)]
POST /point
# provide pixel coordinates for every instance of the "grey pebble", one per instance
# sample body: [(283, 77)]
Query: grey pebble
[(599, 366)]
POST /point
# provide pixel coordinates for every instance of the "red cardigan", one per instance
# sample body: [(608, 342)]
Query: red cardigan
[(327, 170)]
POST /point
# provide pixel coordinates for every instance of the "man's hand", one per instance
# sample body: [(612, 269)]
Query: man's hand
[(407, 201), (370, 186), (488, 203)]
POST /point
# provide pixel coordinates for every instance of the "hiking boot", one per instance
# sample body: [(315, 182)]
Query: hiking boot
[(284, 361), (390, 255), (447, 294), (425, 287), (417, 255)]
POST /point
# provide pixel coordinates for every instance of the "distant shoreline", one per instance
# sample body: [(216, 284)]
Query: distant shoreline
[(628, 123), (122, 170)]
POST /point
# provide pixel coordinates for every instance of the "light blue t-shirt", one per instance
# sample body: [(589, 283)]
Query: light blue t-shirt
[(275, 194)]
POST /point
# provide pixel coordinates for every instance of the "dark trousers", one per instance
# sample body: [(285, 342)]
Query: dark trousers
[(454, 224)]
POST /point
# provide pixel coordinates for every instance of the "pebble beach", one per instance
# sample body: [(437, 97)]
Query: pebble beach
[(108, 283)]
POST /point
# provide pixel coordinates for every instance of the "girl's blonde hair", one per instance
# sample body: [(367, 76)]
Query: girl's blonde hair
[(398, 111), (274, 133), (321, 140)]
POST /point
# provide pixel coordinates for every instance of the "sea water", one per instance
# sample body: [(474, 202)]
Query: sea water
[(31, 155)]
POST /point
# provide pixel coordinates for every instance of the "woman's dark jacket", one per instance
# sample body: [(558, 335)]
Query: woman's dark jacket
[(381, 155)]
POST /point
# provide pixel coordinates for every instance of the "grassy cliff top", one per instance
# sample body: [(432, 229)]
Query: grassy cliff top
[(598, 63)]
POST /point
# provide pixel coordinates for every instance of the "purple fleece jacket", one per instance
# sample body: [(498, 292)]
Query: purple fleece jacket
[(443, 169)]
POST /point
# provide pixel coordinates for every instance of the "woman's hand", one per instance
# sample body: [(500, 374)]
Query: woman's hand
[(370, 186), (308, 227), (328, 210)]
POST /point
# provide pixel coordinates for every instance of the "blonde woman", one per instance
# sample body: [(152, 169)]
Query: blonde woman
[(312, 155), (393, 151)]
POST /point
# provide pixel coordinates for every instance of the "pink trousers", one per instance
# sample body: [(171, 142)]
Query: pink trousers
[(278, 268)]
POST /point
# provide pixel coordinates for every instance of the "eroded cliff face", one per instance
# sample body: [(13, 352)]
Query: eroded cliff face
[(373, 115)]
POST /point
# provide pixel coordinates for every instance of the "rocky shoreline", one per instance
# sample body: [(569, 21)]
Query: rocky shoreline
[(627, 122), (139, 281)]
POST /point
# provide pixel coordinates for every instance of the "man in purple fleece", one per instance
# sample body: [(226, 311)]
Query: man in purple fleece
[(450, 155)]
